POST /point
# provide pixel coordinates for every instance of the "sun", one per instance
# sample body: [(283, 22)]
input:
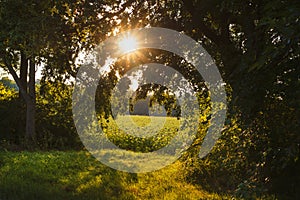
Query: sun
[(128, 44)]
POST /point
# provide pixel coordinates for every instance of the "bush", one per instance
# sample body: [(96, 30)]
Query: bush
[(54, 120)]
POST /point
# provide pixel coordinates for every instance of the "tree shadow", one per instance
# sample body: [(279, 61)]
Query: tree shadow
[(60, 175)]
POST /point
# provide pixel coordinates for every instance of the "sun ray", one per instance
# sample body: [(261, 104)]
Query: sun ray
[(128, 44)]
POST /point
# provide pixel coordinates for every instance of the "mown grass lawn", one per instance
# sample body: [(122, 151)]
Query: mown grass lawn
[(77, 175)]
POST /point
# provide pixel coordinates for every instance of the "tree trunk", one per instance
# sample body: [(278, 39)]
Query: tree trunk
[(23, 81), (23, 73), (31, 104), (27, 93)]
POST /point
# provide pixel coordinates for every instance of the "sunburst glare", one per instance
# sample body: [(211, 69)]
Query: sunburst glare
[(128, 43)]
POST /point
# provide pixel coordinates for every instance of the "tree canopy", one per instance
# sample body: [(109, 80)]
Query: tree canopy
[(255, 44)]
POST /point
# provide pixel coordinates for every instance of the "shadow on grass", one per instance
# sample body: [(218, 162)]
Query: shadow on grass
[(60, 175)]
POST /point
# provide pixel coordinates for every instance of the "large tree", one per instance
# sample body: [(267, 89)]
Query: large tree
[(256, 47), (23, 39), (49, 34)]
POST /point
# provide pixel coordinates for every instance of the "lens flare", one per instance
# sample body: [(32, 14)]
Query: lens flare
[(128, 44)]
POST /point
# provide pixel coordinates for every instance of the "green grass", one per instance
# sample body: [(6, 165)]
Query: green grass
[(77, 175), (138, 133)]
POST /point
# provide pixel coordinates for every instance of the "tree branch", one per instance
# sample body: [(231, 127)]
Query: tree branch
[(17, 80)]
